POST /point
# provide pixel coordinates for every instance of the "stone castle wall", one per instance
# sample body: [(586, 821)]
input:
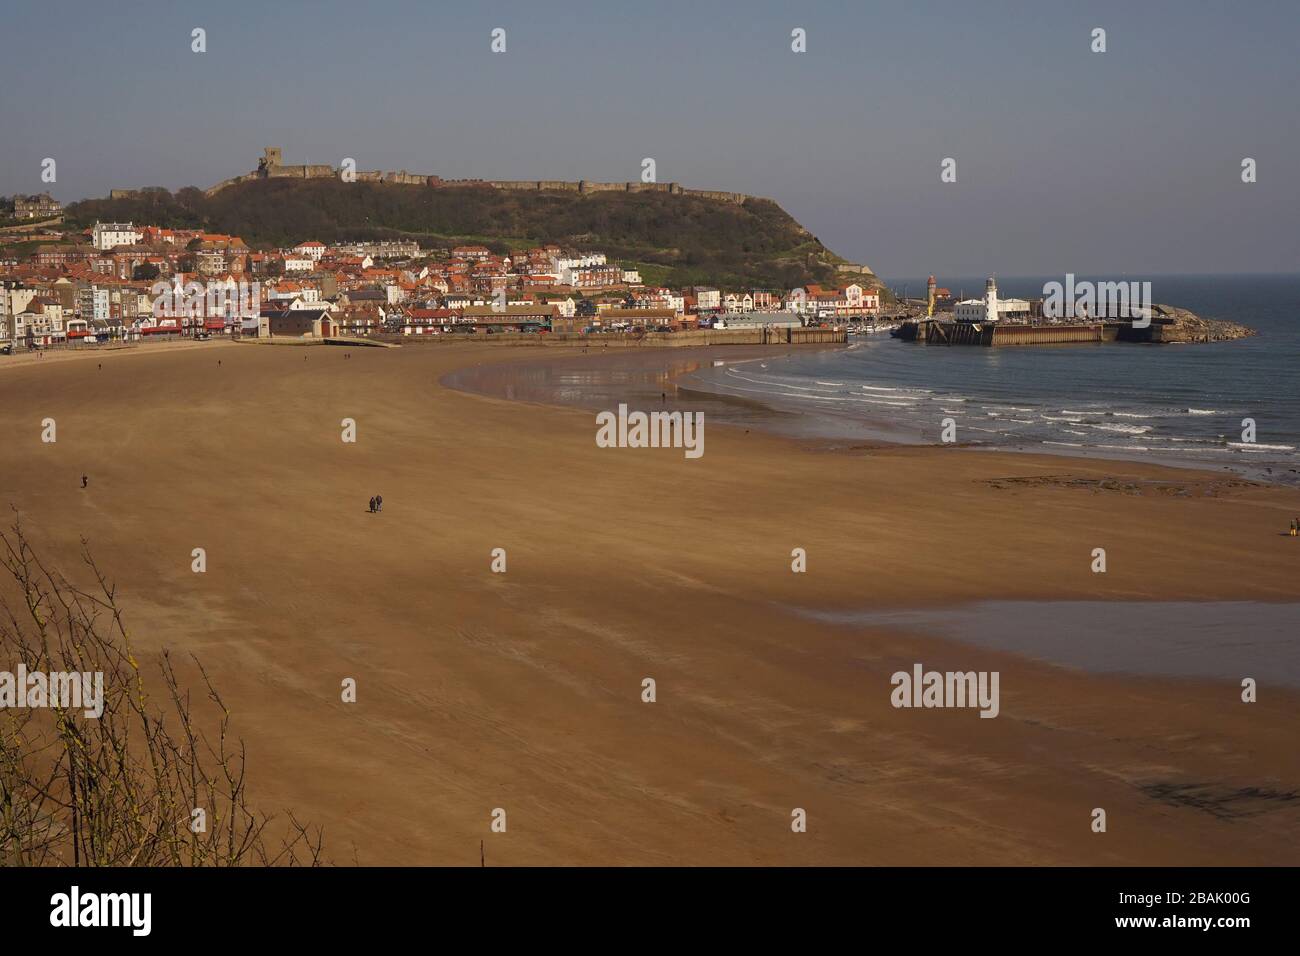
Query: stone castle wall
[(271, 167), (299, 172)]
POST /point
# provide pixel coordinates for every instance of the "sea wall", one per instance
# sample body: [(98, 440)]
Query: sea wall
[(607, 340)]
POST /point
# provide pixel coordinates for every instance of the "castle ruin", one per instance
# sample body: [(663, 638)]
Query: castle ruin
[(271, 166)]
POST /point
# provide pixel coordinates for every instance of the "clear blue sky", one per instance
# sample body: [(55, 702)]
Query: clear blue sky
[(1067, 161)]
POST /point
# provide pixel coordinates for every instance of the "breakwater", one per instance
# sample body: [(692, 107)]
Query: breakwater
[(988, 334), (1167, 325)]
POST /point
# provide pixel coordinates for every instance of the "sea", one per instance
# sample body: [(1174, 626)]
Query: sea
[(1190, 404)]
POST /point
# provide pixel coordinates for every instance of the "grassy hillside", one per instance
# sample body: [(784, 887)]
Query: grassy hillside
[(681, 239)]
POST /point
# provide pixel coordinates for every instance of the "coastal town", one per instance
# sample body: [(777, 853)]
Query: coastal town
[(126, 282)]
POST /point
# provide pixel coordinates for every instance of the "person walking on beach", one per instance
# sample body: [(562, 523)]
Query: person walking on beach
[(84, 481), (379, 502), (372, 504)]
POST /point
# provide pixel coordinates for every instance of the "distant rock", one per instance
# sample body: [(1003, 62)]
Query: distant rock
[(1172, 324)]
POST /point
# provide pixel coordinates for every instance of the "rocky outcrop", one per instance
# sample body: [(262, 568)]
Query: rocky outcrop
[(1172, 324)]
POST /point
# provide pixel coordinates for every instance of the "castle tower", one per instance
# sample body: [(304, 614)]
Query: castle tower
[(991, 300), (930, 295)]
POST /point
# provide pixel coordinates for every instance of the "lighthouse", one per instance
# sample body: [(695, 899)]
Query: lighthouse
[(930, 293), (991, 300)]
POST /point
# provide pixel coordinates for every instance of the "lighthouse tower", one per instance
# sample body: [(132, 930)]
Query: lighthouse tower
[(930, 293), (991, 300)]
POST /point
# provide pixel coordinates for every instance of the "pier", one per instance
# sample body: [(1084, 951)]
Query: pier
[(989, 334)]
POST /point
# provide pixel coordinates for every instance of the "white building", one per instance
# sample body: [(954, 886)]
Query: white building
[(312, 250), (109, 235), (309, 295), (707, 298), (991, 308), (758, 320), (39, 327), (12, 302), (588, 261), (93, 303)]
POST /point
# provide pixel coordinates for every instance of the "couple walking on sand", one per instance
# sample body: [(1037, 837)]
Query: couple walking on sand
[(376, 503)]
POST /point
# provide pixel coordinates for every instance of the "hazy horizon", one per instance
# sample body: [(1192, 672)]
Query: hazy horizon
[(1123, 162)]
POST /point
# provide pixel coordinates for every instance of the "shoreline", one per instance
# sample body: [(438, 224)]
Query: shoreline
[(787, 421), (47, 356)]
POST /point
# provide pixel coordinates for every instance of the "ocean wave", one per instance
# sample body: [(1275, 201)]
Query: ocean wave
[(1257, 446), (733, 373), (1126, 429), (1202, 411)]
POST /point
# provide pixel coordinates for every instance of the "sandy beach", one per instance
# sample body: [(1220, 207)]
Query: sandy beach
[(522, 690)]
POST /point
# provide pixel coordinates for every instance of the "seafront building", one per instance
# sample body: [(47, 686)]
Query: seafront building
[(991, 308), (123, 281)]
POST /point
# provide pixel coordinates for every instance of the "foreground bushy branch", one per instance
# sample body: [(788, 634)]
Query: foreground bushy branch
[(145, 783)]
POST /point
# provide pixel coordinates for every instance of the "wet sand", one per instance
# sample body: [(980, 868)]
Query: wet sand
[(523, 690), (658, 378)]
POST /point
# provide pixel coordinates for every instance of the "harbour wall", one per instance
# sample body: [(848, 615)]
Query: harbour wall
[(622, 340), (933, 332)]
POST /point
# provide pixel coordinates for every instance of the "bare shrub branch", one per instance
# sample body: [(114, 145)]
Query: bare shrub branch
[(118, 790)]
